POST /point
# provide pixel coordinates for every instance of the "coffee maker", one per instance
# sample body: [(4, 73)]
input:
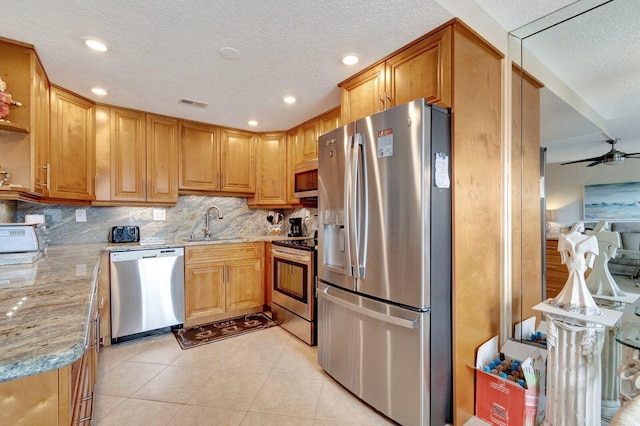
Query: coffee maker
[(296, 227)]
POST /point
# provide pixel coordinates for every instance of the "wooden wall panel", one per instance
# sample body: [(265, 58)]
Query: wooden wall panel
[(477, 186)]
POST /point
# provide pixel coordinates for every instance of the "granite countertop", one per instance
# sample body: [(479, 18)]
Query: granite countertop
[(44, 310), (45, 306)]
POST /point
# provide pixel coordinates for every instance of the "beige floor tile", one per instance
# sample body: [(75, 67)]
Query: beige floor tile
[(230, 389), (254, 359), (126, 378), (124, 351), (266, 419), (272, 337), (174, 384), (106, 403), (212, 355), (298, 363), (164, 351), (338, 404), (198, 415), (288, 395), (105, 365), (318, 422), (135, 412)]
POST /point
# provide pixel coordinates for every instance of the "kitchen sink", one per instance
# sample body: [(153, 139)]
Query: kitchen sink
[(204, 239)]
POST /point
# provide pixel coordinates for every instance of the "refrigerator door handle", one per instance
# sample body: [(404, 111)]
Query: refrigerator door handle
[(350, 222), (401, 322), (353, 233), (362, 203)]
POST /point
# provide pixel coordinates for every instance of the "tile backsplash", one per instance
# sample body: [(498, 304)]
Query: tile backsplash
[(7, 211), (185, 219)]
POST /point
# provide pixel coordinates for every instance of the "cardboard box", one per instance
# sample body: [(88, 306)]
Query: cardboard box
[(503, 402)]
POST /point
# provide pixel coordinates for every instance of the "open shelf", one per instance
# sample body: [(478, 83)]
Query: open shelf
[(12, 127)]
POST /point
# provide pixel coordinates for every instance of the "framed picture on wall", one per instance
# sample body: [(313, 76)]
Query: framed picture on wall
[(612, 201)]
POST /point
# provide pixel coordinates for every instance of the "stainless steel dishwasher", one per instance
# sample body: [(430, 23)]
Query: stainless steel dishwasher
[(147, 290)]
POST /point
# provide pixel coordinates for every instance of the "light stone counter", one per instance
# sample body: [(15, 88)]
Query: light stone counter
[(45, 306), (44, 310)]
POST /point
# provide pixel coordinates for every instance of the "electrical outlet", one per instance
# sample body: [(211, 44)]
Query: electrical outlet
[(159, 214), (81, 215)]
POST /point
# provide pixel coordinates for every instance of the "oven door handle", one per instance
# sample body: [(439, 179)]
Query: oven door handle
[(292, 257)]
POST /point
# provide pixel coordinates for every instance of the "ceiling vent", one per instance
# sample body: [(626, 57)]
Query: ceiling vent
[(193, 103)]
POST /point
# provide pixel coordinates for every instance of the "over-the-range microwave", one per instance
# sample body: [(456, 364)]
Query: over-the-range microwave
[(306, 180)]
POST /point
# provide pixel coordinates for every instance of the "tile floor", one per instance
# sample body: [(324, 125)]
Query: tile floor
[(267, 377)]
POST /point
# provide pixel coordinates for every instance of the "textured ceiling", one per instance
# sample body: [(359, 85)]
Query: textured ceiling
[(161, 51)]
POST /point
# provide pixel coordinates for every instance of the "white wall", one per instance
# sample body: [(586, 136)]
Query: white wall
[(565, 185)]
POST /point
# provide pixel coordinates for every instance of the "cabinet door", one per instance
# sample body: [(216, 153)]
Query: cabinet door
[(309, 141), (363, 95), (162, 159), (40, 129), (71, 149), (204, 290), (292, 160), (128, 155), (237, 161), (421, 71), (244, 285), (271, 171), (199, 157), (268, 274), (329, 121)]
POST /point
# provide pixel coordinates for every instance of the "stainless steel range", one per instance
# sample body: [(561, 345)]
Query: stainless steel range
[(294, 297)]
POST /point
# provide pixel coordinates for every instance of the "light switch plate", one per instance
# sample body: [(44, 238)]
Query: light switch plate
[(159, 214), (81, 215)]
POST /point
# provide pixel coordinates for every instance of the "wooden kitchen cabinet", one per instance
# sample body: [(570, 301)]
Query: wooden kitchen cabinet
[(268, 274), (199, 157), (329, 121), (136, 158), (420, 70), (128, 155), (557, 274), (308, 141), (272, 178), (223, 281), (214, 159), (237, 161), (162, 159), (24, 137), (72, 146)]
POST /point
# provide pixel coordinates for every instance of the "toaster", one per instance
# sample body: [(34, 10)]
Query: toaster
[(22, 237), (124, 234)]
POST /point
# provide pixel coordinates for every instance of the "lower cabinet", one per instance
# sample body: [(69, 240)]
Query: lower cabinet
[(59, 397), (223, 281)]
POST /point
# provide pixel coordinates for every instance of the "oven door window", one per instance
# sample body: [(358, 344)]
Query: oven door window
[(290, 278)]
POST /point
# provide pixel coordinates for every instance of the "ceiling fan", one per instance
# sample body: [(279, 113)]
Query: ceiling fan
[(611, 158)]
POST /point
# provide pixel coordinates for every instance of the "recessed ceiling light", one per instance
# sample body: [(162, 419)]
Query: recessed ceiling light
[(350, 59), (99, 91), (96, 45), (252, 123), (230, 53), (289, 99)]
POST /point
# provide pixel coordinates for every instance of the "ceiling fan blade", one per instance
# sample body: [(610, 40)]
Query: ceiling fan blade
[(630, 154), (595, 163), (598, 159)]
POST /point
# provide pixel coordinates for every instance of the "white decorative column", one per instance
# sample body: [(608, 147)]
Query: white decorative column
[(575, 335), (608, 295)]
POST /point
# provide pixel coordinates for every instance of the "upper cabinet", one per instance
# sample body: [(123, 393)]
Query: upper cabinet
[(71, 151), (238, 161), (137, 157), (214, 159), (24, 137), (420, 70), (271, 171)]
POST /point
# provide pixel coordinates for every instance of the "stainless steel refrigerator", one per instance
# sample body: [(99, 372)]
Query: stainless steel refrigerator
[(384, 261)]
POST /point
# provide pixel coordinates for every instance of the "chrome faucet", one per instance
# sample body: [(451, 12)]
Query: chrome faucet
[(207, 232)]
